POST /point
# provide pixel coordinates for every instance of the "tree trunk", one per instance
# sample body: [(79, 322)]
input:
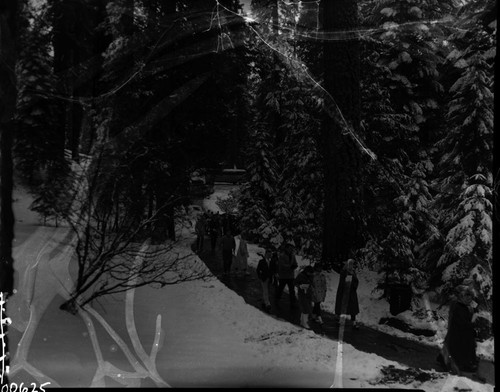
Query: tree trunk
[(8, 92), (62, 20), (341, 227)]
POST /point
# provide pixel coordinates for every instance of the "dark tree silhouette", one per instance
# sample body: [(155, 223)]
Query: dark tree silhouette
[(342, 182), (8, 94)]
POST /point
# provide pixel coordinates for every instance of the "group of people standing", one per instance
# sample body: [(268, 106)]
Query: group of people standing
[(214, 225), (307, 288), (220, 228)]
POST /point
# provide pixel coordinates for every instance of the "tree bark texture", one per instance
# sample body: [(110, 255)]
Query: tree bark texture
[(341, 158), (8, 33), (8, 94)]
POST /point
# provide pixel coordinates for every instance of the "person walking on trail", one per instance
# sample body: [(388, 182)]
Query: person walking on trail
[(228, 245), (346, 301), (287, 264), (241, 256), (265, 275), (458, 353), (318, 292), (304, 281), (214, 228), (200, 230)]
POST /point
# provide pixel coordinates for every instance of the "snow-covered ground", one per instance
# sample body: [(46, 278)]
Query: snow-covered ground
[(372, 308), (193, 334)]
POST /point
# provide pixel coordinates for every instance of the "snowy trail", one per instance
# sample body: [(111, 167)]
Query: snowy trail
[(404, 351)]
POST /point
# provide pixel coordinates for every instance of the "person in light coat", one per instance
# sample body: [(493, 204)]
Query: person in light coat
[(346, 301), (241, 256), (318, 292)]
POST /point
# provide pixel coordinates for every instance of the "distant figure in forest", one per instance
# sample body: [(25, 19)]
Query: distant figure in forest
[(228, 245), (214, 230), (287, 264), (346, 301), (227, 223), (318, 292), (200, 230), (274, 268), (265, 274), (304, 281), (458, 353), (241, 256)]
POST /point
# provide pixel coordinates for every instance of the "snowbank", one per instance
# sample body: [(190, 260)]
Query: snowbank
[(372, 308), (192, 334)]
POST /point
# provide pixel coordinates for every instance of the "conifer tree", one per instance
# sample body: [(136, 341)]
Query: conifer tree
[(465, 181)]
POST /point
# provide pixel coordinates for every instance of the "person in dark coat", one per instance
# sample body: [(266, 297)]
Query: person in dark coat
[(200, 229), (459, 348), (304, 281), (228, 245), (346, 301), (214, 228), (287, 264), (265, 274), (274, 268)]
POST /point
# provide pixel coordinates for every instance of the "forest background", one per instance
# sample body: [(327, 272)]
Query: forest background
[(365, 127)]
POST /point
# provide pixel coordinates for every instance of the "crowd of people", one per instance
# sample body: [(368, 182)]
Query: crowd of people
[(223, 234), (277, 269), (307, 287)]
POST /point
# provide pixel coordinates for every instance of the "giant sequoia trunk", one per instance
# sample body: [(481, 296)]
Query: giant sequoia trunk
[(8, 54), (341, 160)]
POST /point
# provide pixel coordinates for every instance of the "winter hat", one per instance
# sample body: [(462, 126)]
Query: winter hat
[(349, 264)]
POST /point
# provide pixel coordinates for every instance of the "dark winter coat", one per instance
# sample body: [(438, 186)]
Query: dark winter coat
[(228, 244), (273, 265), (352, 300), (200, 227), (214, 226), (263, 270), (319, 287), (287, 263), (304, 296), (461, 337)]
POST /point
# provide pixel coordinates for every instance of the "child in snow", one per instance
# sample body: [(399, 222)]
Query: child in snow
[(318, 292), (346, 301)]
